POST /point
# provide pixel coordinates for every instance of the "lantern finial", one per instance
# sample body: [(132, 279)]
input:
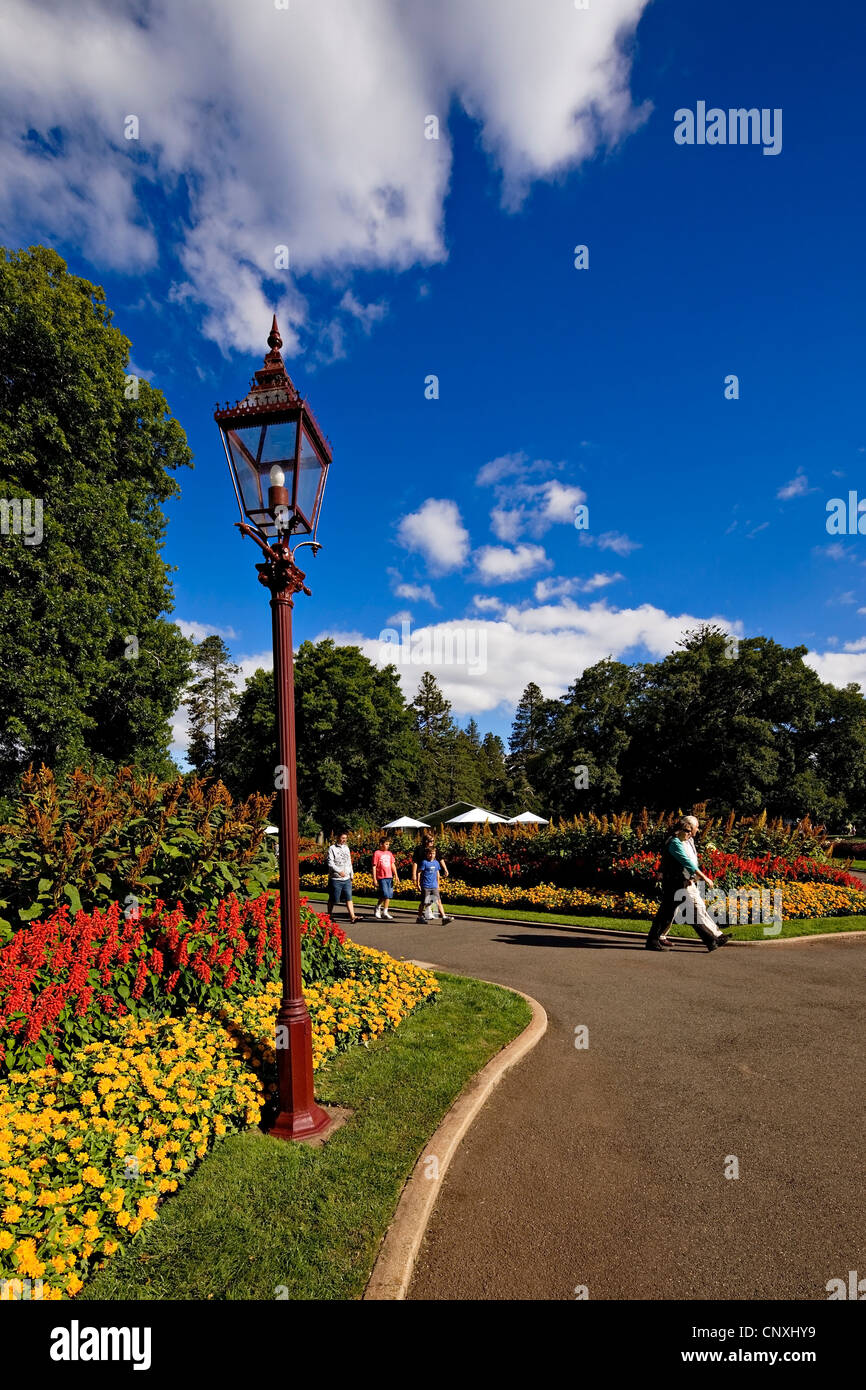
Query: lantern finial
[(275, 342)]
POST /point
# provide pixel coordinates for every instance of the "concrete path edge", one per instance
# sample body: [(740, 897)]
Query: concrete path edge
[(395, 1263)]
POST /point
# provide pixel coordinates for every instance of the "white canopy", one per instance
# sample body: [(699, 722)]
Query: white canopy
[(476, 816), (272, 830), (528, 818), (406, 823)]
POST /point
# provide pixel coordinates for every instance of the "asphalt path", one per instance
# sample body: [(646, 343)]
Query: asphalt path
[(604, 1167)]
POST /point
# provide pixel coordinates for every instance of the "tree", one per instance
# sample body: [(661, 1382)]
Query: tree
[(435, 778), (356, 752), (494, 774), (588, 740), (466, 782), (249, 740), (92, 666), (211, 699), (528, 745)]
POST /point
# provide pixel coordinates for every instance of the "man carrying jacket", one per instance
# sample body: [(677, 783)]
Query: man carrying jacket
[(679, 868)]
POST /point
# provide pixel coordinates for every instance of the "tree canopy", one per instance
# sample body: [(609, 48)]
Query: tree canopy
[(92, 666)]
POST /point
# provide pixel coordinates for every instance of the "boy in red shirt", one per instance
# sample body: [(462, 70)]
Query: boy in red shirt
[(384, 877)]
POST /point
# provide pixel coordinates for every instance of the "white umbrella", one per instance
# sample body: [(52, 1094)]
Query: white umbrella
[(528, 818), (476, 817), (406, 823), (272, 830)]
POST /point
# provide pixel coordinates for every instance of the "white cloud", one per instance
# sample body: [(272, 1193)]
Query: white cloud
[(503, 467), (559, 588), (526, 507), (488, 603), (610, 540), (550, 644), (436, 531), (841, 668), (301, 127), (366, 314), (419, 592), (797, 487), (198, 631), (560, 501), (499, 565)]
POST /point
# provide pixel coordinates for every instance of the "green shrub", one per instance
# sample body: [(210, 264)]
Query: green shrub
[(128, 839)]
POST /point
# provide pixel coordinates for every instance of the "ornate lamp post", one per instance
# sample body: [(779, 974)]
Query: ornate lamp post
[(279, 462)]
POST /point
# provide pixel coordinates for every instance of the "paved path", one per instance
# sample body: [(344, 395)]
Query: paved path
[(605, 1167)]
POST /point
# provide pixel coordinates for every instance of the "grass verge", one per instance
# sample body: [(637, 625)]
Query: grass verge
[(261, 1215), (801, 926)]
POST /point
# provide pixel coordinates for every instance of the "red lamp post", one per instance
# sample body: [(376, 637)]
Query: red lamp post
[(279, 463)]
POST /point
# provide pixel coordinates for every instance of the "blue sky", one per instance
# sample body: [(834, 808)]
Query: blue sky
[(411, 257)]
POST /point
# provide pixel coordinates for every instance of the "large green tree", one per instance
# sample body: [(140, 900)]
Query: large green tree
[(92, 666), (356, 752), (587, 742)]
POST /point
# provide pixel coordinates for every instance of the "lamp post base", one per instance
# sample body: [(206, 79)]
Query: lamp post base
[(299, 1116), (301, 1124)]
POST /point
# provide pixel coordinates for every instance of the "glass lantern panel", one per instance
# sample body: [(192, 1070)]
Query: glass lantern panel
[(309, 477), (279, 447), (244, 444)]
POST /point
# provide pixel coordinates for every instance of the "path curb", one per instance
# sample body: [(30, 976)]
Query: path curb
[(395, 1263)]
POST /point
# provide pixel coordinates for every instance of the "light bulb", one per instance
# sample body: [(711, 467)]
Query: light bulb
[(278, 477)]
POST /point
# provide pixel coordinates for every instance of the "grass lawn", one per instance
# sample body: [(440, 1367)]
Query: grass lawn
[(803, 926), (260, 1213)]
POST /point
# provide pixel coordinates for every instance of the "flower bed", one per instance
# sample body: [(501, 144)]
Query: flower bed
[(65, 980), (732, 871), (798, 899), (88, 1149)]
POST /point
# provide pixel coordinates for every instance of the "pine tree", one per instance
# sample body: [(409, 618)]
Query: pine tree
[(528, 744), (437, 740), (210, 700), (467, 780), (494, 774)]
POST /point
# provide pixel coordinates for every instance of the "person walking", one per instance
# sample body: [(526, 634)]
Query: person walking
[(419, 854), (340, 875), (428, 874), (680, 871), (385, 876)]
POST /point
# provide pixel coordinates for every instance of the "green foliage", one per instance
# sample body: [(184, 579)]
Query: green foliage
[(128, 838), (76, 689), (355, 749), (211, 699), (436, 734), (737, 729), (565, 847)]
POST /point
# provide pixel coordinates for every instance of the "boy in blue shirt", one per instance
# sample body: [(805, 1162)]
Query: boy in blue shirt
[(428, 875)]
